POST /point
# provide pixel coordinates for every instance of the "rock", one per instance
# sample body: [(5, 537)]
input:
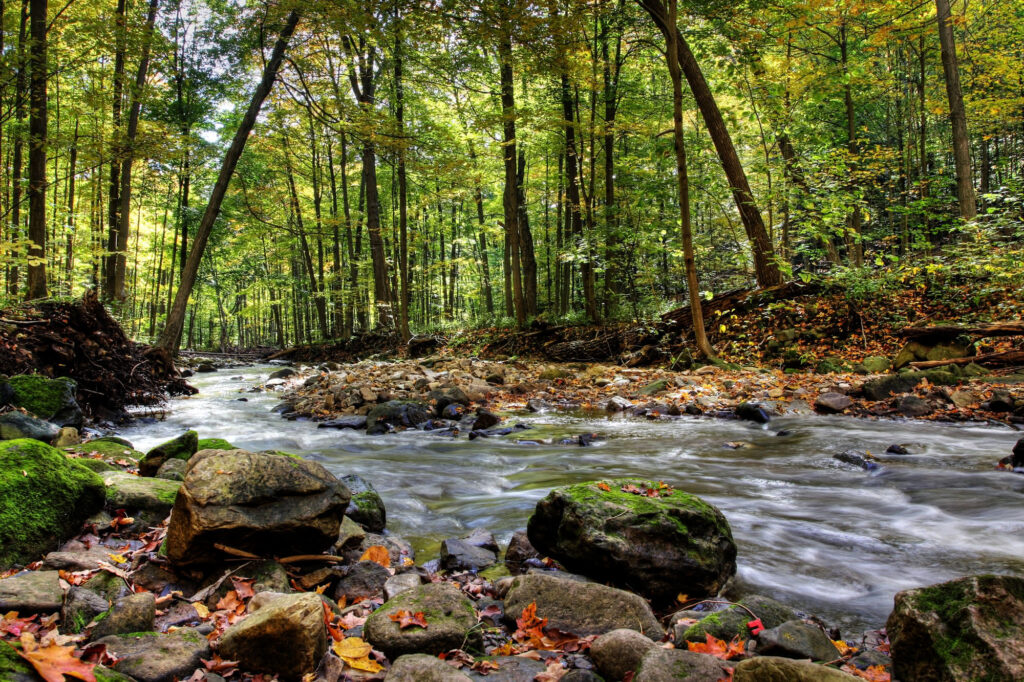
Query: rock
[(182, 447), (775, 669), (134, 493), (459, 555), (52, 400), (906, 449), (882, 387), (134, 613), (206, 367), (618, 404), (1017, 458), (537, 405), (66, 437), (579, 607), (915, 351), (657, 546), (350, 534), (282, 373), (355, 421), (443, 397), (397, 584), (80, 607), (31, 592), (152, 657), (971, 628), (670, 665), (399, 551), (655, 387), (618, 652), (108, 586), (251, 502), (873, 364), (912, 406), (395, 413), (172, 470), (511, 669), (963, 398), (860, 460), (832, 402), (797, 639), (423, 668), (63, 495), (450, 617), (286, 637), (364, 580), (112, 449), (581, 675), (830, 365), (732, 620), (485, 419), (871, 657), (365, 506), (753, 412), (1001, 401), (214, 444), (16, 424), (519, 552), (481, 537)]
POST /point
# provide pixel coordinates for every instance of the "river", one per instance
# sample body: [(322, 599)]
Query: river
[(811, 532)]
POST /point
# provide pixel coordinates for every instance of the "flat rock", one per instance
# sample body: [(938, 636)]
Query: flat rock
[(451, 622), (797, 639), (16, 424), (832, 402), (511, 669), (154, 657), (423, 668), (355, 421), (732, 620), (619, 652), (671, 665), (776, 669), (31, 592), (459, 555), (125, 491), (397, 584)]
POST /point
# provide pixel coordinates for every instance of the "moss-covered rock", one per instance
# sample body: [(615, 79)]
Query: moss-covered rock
[(366, 506), (214, 444), (49, 399), (922, 350), (732, 620), (451, 622), (657, 546), (109, 448), (44, 499), (182, 447)]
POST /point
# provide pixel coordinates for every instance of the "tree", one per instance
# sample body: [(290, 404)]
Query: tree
[(957, 115), (37, 153)]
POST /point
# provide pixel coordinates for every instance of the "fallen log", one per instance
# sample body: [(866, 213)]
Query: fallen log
[(946, 331), (1001, 359), (737, 299)]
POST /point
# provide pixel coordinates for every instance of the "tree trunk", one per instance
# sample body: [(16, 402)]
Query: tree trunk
[(37, 154), (113, 203), (510, 197), (176, 317), (403, 193), (957, 115), (19, 114)]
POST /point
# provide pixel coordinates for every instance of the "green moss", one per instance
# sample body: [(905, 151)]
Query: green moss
[(41, 395), (12, 666), (214, 444), (109, 449), (97, 465), (651, 510)]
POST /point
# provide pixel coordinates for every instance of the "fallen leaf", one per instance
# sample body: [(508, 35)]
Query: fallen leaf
[(377, 554), (718, 648), (874, 673), (243, 587), (356, 654), (54, 662), (604, 486), (201, 609), (405, 619)]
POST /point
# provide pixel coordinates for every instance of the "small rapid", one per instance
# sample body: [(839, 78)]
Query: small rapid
[(811, 532)]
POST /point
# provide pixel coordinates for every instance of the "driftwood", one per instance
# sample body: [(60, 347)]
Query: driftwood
[(1002, 359), (948, 331)]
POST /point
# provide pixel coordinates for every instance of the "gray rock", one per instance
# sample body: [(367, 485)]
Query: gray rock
[(87, 560), (581, 608), (832, 402), (753, 412), (655, 387), (732, 620), (182, 447), (134, 613), (912, 406), (400, 583), (520, 551), (153, 657), (619, 652), (80, 607), (135, 493), (363, 580), (282, 373), (31, 592), (671, 665), (860, 460), (797, 639), (365, 507), (400, 551), (459, 555), (395, 413), (423, 668), (172, 470), (511, 669), (776, 669), (618, 404), (450, 617), (355, 421), (49, 399), (16, 424)]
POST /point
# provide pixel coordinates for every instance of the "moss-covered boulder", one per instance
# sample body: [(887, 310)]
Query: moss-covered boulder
[(147, 500), (365, 507), (882, 387), (182, 447), (44, 499), (971, 628), (214, 444), (451, 622), (923, 350), (254, 501), (108, 448), (49, 399), (15, 425), (639, 535), (732, 620)]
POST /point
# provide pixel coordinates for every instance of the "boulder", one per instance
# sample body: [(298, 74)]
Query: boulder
[(285, 637), (861, 460), (459, 555), (776, 669), (912, 406), (397, 584), (134, 493), (49, 399), (182, 447), (797, 639), (15, 424), (364, 580), (732, 620), (134, 613), (872, 364), (657, 546), (354, 421), (395, 413), (365, 507), (80, 607), (153, 657), (423, 668), (832, 402), (1017, 458), (44, 499), (110, 448), (521, 551), (451, 622), (172, 470), (971, 628), (214, 444), (581, 608), (31, 592), (671, 665), (618, 404), (485, 419), (916, 351), (254, 501), (882, 387), (618, 652), (282, 373), (752, 412)]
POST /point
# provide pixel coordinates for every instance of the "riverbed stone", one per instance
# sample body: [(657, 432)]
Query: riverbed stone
[(214, 444), (832, 402), (172, 470), (459, 555), (353, 421), (1017, 456), (912, 406), (732, 620), (45, 497), (135, 493), (80, 607), (618, 404), (182, 447), (618, 652), (282, 373), (971, 628), (423, 668), (451, 622), (657, 546), (655, 387), (395, 414), (753, 412), (365, 507), (254, 501), (519, 552), (397, 584), (134, 613), (872, 364), (797, 639), (400, 552), (286, 637), (777, 669), (16, 425), (155, 657), (364, 580), (31, 592), (672, 665), (510, 669), (111, 448), (581, 608), (916, 351), (52, 400)]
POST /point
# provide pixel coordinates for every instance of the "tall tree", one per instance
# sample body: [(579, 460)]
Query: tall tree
[(37, 153), (510, 196), (957, 115)]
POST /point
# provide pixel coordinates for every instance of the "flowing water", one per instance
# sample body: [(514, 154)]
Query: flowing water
[(811, 532)]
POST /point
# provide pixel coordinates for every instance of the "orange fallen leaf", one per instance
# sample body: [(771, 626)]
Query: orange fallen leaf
[(54, 662), (718, 648), (377, 554), (405, 619), (873, 673), (604, 486)]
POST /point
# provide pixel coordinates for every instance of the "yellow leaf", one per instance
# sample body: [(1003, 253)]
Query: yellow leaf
[(201, 610), (117, 558), (377, 554), (356, 654)]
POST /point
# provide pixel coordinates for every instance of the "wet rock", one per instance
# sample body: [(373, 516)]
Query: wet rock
[(753, 412), (285, 637), (797, 639), (873, 364), (66, 437), (519, 552), (364, 580), (182, 447), (832, 402), (206, 367), (732, 620), (618, 404), (355, 421), (485, 419), (350, 534), (134, 613), (443, 397), (1017, 458), (365, 507), (80, 607), (536, 405), (965, 629), (395, 413), (906, 449), (580, 607), (776, 669), (52, 400), (31, 592), (670, 665), (1001, 401), (399, 551), (282, 373), (397, 584), (153, 657), (885, 386), (423, 668), (657, 546), (871, 657), (252, 501), (16, 424), (619, 652), (655, 387), (861, 460), (63, 493), (912, 406), (450, 617), (511, 669), (459, 555), (481, 537)]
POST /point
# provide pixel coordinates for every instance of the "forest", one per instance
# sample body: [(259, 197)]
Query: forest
[(233, 175)]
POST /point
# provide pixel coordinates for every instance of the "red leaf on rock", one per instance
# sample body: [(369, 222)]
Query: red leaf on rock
[(406, 619), (718, 648)]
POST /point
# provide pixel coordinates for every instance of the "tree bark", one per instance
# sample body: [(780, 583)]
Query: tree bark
[(113, 203), (176, 317), (37, 154), (510, 198), (957, 115), (403, 194)]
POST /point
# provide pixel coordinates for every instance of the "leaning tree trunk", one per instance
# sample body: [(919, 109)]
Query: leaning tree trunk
[(957, 115)]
